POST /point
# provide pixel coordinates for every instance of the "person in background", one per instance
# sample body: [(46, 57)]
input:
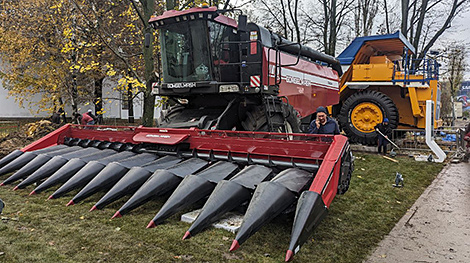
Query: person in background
[(76, 118), (61, 112), (90, 113), (2, 205), (467, 147), (386, 130), (323, 124), (87, 119), (55, 117)]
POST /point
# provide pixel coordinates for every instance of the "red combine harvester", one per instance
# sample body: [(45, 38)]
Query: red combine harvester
[(228, 76), (274, 170), (237, 91)]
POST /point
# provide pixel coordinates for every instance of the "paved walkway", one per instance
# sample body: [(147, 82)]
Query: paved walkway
[(437, 227)]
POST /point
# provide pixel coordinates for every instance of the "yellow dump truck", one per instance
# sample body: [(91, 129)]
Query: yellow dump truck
[(382, 81)]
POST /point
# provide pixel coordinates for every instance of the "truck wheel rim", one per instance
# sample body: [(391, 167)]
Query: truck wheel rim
[(365, 116)]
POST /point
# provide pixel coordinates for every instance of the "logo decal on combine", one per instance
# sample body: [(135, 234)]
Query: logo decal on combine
[(157, 136), (255, 81), (181, 85)]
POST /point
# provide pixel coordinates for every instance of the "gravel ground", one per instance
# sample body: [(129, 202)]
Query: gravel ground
[(437, 227)]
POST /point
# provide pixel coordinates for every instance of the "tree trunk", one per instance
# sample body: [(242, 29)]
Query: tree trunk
[(74, 94), (404, 17), (419, 27), (149, 99), (387, 23), (99, 100), (325, 26), (170, 4), (130, 105), (332, 40)]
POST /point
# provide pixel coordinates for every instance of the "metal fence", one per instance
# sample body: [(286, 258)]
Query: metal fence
[(8, 126), (450, 139)]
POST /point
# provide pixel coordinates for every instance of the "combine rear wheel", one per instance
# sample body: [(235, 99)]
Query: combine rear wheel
[(362, 111)]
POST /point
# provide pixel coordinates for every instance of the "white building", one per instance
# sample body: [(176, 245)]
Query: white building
[(113, 105)]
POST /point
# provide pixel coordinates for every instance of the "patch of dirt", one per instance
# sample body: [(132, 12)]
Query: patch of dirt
[(27, 134), (436, 228)]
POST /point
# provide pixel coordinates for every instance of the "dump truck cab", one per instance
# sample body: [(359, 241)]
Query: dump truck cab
[(382, 81)]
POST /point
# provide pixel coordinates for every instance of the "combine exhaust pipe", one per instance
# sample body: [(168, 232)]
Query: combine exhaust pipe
[(296, 48)]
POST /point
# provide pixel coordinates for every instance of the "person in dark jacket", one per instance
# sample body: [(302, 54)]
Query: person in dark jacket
[(2, 205), (323, 124), (386, 130), (467, 148), (77, 118)]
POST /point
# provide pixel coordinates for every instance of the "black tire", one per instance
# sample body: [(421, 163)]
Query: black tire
[(346, 170), (382, 101), (256, 120)]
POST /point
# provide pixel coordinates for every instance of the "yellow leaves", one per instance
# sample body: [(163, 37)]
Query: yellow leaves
[(132, 26), (111, 72), (125, 82), (74, 67), (68, 48), (59, 5), (67, 32)]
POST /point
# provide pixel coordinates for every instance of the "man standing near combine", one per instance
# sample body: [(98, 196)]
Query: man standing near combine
[(323, 124), (385, 131)]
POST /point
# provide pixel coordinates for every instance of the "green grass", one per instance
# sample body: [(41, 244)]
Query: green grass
[(35, 230)]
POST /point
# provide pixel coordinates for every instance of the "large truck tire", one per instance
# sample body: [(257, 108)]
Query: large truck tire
[(256, 120), (362, 111)]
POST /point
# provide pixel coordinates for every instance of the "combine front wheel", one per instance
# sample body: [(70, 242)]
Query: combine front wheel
[(362, 111), (347, 167), (256, 120)]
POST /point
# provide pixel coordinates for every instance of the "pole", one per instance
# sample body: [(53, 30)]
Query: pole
[(377, 130)]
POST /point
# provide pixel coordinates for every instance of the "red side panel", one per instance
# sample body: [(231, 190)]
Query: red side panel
[(326, 180), (51, 139), (307, 85)]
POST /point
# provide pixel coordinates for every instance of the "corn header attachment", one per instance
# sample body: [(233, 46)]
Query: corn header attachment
[(271, 172)]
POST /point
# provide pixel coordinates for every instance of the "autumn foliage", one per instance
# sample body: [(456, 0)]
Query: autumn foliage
[(63, 49)]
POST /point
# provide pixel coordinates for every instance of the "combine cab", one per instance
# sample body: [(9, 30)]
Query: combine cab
[(224, 75), (274, 172)]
